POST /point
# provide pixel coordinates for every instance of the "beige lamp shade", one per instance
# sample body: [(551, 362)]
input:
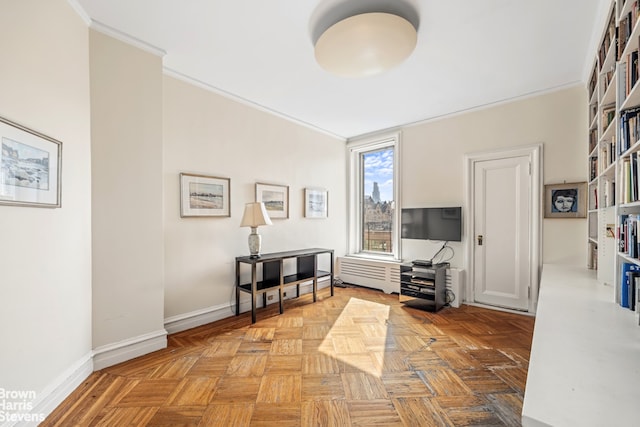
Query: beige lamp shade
[(365, 44), (255, 215)]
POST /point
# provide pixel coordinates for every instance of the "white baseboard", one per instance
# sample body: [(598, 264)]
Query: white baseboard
[(54, 393), (111, 354), (196, 318)]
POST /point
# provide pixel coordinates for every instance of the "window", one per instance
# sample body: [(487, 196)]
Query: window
[(373, 225)]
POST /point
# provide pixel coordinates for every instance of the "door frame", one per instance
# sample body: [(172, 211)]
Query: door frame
[(535, 153)]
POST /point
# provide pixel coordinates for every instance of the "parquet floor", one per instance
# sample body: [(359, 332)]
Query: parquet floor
[(359, 358)]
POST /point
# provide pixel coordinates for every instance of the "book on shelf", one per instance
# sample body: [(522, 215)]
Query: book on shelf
[(632, 278), (422, 281), (622, 77), (628, 235), (592, 260), (593, 139), (629, 178), (609, 37), (593, 81), (625, 172), (636, 295), (626, 277), (608, 115), (608, 194), (629, 128), (632, 71), (625, 28)]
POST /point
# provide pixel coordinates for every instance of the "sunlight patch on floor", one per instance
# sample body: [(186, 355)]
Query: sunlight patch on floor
[(361, 325)]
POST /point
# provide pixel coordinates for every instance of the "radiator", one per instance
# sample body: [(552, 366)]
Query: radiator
[(454, 281), (383, 275)]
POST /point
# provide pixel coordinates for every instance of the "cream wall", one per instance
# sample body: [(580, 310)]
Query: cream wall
[(126, 166), (433, 167), (206, 133), (128, 131), (45, 254)]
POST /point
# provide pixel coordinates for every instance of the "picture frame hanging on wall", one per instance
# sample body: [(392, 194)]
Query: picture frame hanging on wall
[(316, 203), (567, 200), (30, 167), (275, 199), (204, 196)]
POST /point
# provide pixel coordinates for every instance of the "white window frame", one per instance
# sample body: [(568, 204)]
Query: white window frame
[(354, 150)]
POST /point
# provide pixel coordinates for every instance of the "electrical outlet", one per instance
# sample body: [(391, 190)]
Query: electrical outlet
[(284, 295), (269, 297)]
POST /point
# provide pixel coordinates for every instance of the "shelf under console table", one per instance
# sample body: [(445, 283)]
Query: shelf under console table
[(273, 277)]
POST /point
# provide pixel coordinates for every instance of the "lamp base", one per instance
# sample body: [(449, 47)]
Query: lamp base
[(255, 241)]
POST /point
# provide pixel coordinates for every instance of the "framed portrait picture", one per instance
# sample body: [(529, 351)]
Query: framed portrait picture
[(315, 203), (30, 167), (565, 200), (275, 199), (202, 195)]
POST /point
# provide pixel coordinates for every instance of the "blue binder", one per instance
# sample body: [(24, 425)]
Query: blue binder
[(624, 292)]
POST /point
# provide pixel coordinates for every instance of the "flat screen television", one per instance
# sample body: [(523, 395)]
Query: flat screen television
[(432, 224)]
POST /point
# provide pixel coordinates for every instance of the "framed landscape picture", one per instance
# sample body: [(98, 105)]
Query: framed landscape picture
[(275, 199), (315, 203), (30, 167), (202, 195), (565, 200)]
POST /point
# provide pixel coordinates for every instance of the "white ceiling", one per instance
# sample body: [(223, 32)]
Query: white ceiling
[(470, 53)]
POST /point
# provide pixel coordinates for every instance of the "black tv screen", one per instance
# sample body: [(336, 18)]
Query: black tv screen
[(432, 224)]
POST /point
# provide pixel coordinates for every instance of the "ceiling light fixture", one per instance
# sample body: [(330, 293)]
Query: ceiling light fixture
[(364, 38)]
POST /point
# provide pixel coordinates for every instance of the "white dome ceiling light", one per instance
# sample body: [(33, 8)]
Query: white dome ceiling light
[(360, 43)]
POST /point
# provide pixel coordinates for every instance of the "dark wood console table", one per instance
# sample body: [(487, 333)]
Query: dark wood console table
[(273, 275)]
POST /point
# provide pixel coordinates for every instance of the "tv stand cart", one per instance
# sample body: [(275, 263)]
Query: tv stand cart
[(423, 286), (273, 277)]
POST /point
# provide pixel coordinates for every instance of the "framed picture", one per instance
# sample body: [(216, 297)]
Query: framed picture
[(30, 167), (565, 200), (315, 203), (275, 199), (202, 195)]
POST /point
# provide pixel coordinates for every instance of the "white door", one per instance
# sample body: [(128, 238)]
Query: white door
[(502, 231)]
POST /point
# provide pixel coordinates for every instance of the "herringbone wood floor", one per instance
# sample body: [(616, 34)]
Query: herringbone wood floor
[(359, 358)]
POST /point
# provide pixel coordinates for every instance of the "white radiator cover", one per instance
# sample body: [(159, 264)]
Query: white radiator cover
[(383, 275), (454, 280)]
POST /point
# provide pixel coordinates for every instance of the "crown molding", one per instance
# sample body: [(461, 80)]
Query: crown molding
[(126, 38), (195, 82), (80, 11)]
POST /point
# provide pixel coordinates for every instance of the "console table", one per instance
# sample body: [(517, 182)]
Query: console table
[(272, 277)]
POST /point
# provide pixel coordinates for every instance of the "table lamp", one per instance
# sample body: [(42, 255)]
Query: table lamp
[(255, 215)]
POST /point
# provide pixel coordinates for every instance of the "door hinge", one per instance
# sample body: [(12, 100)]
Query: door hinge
[(529, 292), (529, 168)]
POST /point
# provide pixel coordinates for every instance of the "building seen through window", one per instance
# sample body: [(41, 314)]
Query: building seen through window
[(378, 201)]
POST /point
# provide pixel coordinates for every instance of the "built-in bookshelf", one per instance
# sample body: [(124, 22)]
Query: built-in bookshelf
[(628, 193), (603, 151), (614, 154)]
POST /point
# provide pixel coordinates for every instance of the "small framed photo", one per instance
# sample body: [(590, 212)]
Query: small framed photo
[(565, 200), (315, 203), (275, 199), (30, 167), (202, 195)]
